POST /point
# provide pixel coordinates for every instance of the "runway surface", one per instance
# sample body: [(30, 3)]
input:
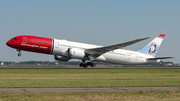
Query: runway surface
[(39, 90), (101, 68)]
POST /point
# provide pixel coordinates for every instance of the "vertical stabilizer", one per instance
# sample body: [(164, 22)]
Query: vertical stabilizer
[(153, 46)]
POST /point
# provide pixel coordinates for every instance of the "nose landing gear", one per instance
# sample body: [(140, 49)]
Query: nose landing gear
[(19, 54)]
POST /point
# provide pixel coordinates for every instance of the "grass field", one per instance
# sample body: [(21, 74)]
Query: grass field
[(173, 95), (81, 78)]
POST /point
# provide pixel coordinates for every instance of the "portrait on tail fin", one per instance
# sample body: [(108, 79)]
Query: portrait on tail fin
[(152, 47), (152, 50)]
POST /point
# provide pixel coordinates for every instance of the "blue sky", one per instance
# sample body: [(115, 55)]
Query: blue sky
[(100, 22)]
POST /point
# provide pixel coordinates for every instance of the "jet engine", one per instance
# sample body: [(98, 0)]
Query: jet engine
[(61, 58), (75, 53)]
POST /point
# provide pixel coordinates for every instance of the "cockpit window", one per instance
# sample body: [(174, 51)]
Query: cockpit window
[(14, 38)]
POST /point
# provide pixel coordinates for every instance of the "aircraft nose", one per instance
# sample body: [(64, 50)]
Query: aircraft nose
[(8, 43)]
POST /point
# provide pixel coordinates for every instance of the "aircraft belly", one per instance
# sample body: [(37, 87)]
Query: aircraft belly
[(117, 59), (101, 58), (123, 59), (152, 61)]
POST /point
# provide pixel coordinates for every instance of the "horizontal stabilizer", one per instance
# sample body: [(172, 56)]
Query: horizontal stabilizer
[(159, 58)]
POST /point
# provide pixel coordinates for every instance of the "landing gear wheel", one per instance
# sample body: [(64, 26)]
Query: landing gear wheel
[(81, 64), (93, 65), (85, 65), (19, 54), (89, 63)]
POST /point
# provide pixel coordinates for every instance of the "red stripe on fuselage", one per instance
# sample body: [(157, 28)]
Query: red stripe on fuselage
[(32, 43)]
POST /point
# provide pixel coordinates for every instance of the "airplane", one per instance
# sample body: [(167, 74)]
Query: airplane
[(64, 50)]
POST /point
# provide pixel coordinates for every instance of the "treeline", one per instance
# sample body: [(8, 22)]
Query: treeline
[(67, 63), (49, 63)]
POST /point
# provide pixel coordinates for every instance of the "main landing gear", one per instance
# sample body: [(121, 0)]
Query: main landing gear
[(85, 65), (19, 54)]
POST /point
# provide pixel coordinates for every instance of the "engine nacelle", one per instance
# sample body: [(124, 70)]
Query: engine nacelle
[(75, 53), (61, 58)]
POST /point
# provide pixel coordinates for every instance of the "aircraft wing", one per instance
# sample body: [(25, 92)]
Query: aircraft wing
[(95, 52), (159, 58)]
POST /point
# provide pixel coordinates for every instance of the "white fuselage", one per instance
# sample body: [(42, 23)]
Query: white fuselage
[(118, 56)]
